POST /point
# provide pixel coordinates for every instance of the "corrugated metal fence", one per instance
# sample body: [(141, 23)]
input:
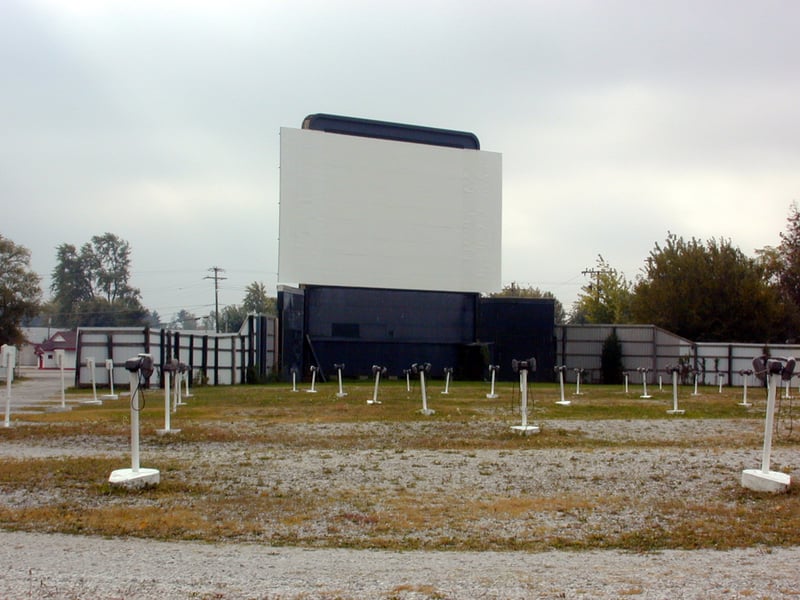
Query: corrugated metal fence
[(213, 359), (581, 346)]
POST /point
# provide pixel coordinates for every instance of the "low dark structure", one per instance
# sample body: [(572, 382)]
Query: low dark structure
[(360, 327)]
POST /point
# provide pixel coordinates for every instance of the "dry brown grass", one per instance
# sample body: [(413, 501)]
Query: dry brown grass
[(256, 428)]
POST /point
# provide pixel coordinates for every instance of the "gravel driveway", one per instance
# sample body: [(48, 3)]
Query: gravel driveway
[(58, 566), (61, 566)]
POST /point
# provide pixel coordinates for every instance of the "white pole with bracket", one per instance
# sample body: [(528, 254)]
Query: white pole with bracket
[(110, 369), (523, 367), (9, 361), (765, 480), (493, 371), (139, 371)]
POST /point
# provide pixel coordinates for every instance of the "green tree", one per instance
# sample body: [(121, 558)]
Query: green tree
[(708, 292), (154, 319), (99, 312), (231, 318), (611, 365), (70, 284), (91, 287), (786, 259), (19, 290), (109, 257), (605, 299), (513, 290), (256, 300)]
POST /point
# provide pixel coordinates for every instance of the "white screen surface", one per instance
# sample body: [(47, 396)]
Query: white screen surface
[(362, 212)]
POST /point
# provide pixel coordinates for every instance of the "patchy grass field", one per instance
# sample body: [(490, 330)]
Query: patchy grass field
[(264, 464)]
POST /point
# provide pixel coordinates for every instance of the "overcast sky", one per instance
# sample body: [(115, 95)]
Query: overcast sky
[(618, 121)]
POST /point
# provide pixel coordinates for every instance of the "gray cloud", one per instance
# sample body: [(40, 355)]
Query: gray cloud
[(618, 121)]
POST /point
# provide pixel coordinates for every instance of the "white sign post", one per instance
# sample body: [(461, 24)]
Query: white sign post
[(407, 373), (764, 480), (696, 376), (625, 375)]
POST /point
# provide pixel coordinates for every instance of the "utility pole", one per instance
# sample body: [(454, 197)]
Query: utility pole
[(216, 277), (596, 273)]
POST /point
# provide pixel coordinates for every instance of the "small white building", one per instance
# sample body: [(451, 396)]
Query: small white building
[(60, 340)]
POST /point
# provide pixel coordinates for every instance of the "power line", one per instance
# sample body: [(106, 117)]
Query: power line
[(216, 277), (597, 273)]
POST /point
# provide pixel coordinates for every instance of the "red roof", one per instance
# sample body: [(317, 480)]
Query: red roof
[(60, 340)]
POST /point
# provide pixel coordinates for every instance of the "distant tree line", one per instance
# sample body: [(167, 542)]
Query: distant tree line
[(705, 290), (702, 290), (90, 287)]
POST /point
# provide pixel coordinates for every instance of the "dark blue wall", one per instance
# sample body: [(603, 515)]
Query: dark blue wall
[(360, 327), (519, 328), (291, 330)]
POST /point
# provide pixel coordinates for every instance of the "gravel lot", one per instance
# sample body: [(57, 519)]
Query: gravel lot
[(60, 566), (57, 566)]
